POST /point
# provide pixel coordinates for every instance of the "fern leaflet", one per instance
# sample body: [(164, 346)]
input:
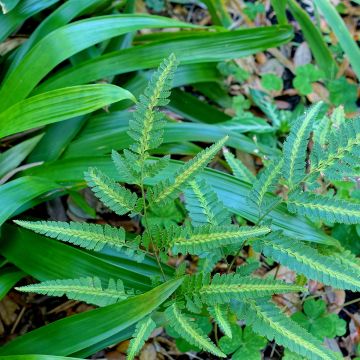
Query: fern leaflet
[(296, 144), (264, 184), (220, 315), (323, 208), (203, 205), (170, 188), (208, 237), (143, 330), (308, 261), (266, 319), (126, 165), (238, 168), (88, 289), (190, 331), (113, 195), (340, 154), (147, 126), (88, 236)]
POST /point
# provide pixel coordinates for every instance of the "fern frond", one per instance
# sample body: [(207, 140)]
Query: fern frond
[(266, 319), (225, 288), (170, 188), (113, 195), (208, 237), (146, 128), (238, 168), (264, 184), (308, 261), (220, 315), (126, 165), (143, 330), (203, 205), (340, 153), (87, 289), (324, 208), (190, 331), (296, 144), (154, 167), (88, 236)]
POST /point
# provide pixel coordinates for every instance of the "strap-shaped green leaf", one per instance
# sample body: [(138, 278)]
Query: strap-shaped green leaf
[(113, 195), (296, 144), (208, 237), (308, 261), (88, 236), (266, 319), (88, 289), (143, 330), (324, 208), (170, 188), (190, 331)]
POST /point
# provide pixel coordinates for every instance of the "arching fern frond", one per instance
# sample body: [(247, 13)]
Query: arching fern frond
[(221, 317), (88, 236), (340, 153), (296, 144), (208, 237), (113, 195), (143, 330), (203, 205), (308, 261), (264, 184), (266, 319), (224, 288), (146, 128), (238, 168), (324, 208), (187, 329), (170, 188), (87, 289)]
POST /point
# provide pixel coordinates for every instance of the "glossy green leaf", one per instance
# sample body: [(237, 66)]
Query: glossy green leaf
[(315, 40), (342, 33), (35, 357), (11, 21), (13, 157), (77, 332), (9, 276), (50, 51), (59, 105), (8, 5), (194, 48)]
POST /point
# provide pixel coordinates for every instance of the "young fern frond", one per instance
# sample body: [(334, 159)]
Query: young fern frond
[(220, 315), (87, 289), (264, 184), (170, 188), (143, 330), (208, 237), (340, 153), (225, 288), (323, 208), (190, 331), (308, 261), (88, 236), (113, 195), (267, 319), (146, 128), (203, 205), (296, 144), (238, 168)]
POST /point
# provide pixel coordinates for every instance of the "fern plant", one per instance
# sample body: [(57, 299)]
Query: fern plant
[(210, 232)]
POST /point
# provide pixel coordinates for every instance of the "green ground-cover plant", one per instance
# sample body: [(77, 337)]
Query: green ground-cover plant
[(210, 233)]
